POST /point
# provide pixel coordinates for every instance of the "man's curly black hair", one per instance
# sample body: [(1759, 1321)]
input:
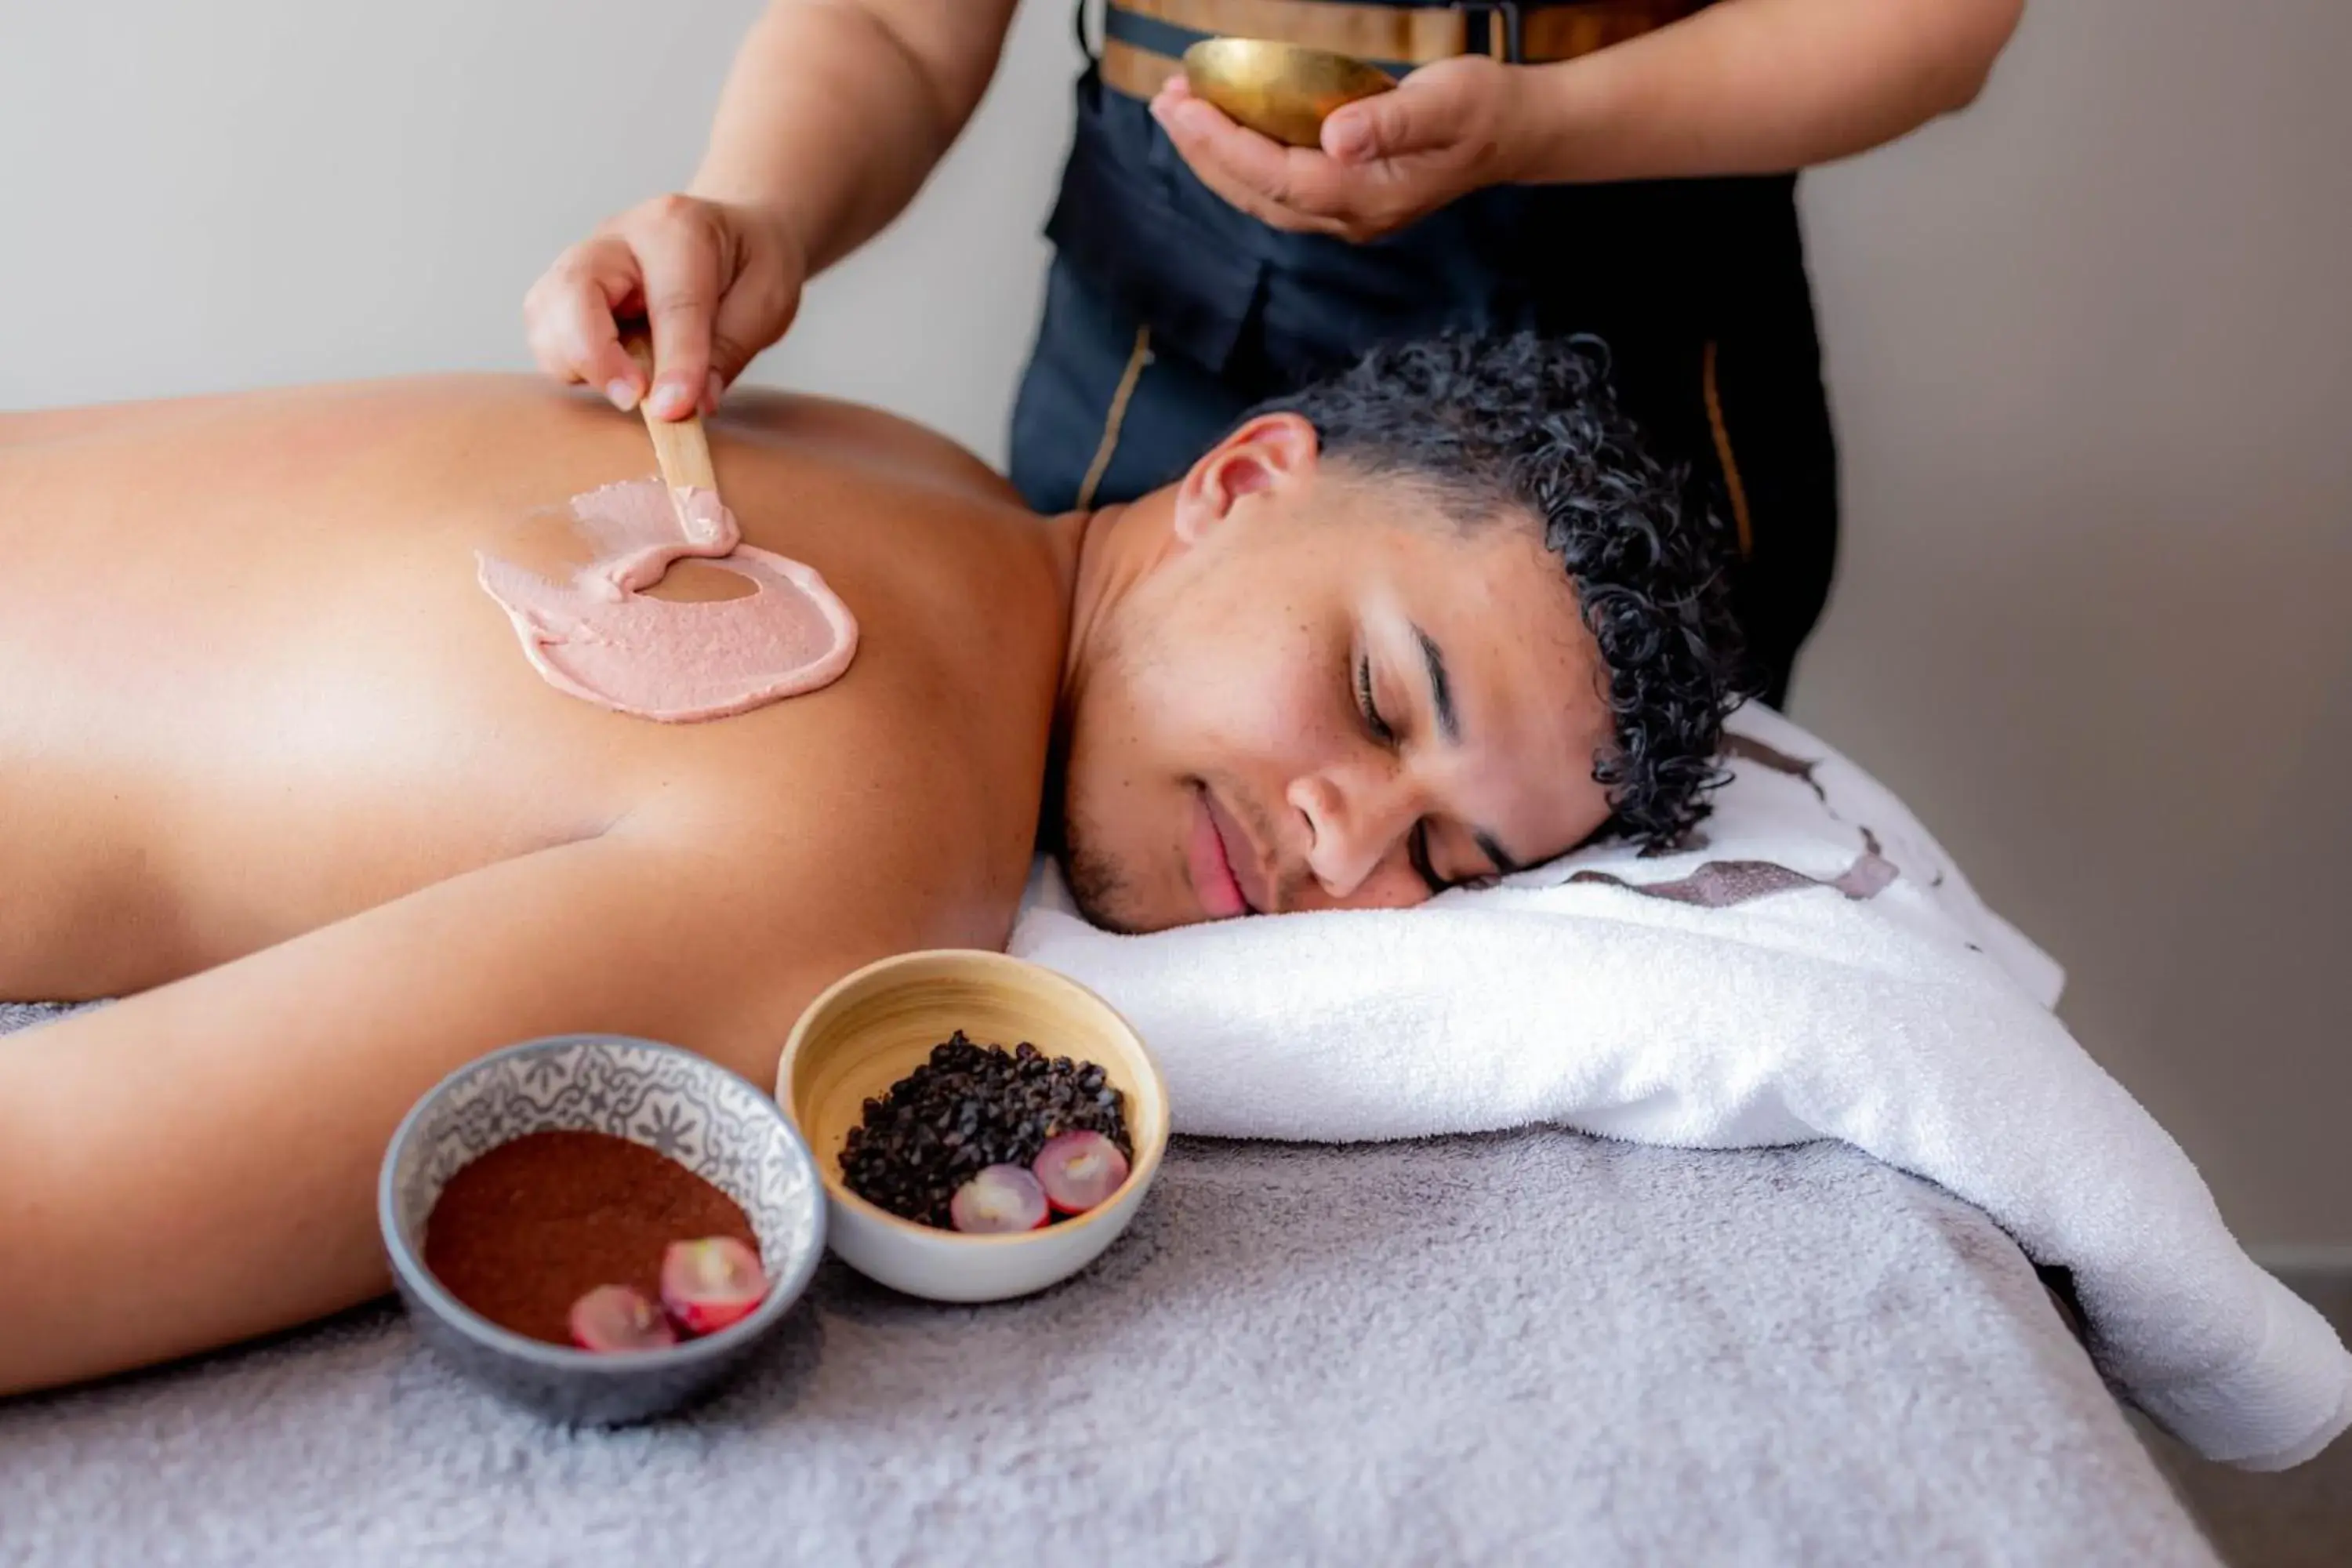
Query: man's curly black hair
[(1529, 425)]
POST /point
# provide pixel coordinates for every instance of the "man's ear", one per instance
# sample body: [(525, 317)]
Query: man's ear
[(1271, 452)]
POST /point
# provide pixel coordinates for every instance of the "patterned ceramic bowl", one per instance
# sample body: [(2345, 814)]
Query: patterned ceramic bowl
[(684, 1107)]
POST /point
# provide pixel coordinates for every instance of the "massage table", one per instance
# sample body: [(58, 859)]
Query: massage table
[(1521, 1347)]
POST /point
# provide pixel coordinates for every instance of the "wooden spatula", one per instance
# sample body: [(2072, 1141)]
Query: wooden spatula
[(680, 445)]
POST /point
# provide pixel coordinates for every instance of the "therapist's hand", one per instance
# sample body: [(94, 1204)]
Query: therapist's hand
[(1446, 129), (717, 283)]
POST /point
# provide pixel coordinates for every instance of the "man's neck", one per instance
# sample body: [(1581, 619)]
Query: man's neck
[(1109, 552), (1104, 554)]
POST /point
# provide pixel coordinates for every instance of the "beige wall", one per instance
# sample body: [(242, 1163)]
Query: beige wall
[(2089, 351)]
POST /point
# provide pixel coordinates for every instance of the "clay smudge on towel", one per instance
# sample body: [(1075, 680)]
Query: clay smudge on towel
[(1779, 762), (600, 637), (1749, 749), (1720, 884)]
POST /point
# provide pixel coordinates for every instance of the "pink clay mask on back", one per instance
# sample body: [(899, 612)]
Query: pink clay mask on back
[(602, 638)]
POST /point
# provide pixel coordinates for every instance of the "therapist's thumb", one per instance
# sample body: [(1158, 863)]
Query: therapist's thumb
[(1429, 110)]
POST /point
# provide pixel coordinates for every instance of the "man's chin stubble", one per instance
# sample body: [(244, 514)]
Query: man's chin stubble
[(1096, 886)]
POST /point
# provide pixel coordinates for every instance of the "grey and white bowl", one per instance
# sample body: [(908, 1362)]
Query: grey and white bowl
[(679, 1104)]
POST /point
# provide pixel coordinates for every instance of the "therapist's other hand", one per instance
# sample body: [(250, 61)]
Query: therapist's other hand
[(715, 282), (1445, 131)]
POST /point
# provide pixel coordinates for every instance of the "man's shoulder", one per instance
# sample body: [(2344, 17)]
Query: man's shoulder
[(859, 432), (943, 714), (903, 796)]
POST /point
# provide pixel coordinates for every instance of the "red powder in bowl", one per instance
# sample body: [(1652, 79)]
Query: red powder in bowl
[(534, 1225)]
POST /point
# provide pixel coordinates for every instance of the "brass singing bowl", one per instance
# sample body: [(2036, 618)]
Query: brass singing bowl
[(1281, 91)]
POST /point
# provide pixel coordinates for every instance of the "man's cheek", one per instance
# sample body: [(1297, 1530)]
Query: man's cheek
[(1231, 701), (1277, 713), (1170, 711)]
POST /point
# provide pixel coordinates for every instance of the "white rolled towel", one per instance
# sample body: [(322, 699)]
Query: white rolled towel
[(1816, 968)]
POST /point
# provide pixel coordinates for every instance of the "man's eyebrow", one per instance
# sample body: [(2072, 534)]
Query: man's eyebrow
[(1440, 694), (1449, 724)]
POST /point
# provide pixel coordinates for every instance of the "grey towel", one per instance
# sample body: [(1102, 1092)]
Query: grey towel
[(1527, 1347)]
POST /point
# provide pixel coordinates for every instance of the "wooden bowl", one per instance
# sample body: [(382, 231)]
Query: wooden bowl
[(1281, 91), (874, 1026)]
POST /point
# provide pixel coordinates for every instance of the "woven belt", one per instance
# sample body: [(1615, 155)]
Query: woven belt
[(1144, 40)]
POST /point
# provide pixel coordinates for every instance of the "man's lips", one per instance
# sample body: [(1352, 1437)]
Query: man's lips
[(1216, 874), (1241, 856)]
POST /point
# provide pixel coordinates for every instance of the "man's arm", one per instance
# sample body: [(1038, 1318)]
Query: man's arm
[(195, 1165)]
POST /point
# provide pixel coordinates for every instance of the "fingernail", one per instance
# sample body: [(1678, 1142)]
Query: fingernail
[(669, 399), (1347, 140), (624, 396)]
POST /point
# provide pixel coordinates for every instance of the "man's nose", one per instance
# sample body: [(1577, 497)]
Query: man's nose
[(1356, 820)]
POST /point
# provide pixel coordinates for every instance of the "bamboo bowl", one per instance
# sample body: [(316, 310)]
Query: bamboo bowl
[(878, 1024)]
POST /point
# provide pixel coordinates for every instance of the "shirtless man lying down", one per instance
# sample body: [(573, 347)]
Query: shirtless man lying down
[(275, 769)]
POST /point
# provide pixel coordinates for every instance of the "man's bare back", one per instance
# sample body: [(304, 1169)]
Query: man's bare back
[(257, 620), (263, 735)]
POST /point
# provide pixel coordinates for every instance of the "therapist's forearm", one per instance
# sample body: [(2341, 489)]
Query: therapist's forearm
[(835, 111), (1758, 87)]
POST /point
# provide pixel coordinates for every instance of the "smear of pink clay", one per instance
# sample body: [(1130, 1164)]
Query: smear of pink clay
[(599, 637)]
